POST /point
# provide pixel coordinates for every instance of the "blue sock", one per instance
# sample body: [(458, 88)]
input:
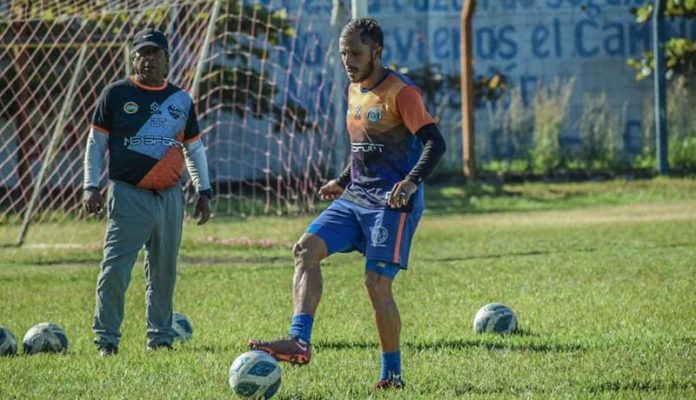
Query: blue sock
[(391, 365), (301, 327)]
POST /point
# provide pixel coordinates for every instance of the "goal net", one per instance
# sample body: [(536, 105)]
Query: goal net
[(264, 90)]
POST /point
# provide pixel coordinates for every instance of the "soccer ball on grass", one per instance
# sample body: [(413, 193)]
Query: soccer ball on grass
[(182, 327), (8, 343), (495, 317), (45, 338), (255, 375)]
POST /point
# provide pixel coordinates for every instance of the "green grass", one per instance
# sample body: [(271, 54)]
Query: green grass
[(601, 276)]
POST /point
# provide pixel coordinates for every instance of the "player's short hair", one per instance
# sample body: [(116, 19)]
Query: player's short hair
[(368, 29)]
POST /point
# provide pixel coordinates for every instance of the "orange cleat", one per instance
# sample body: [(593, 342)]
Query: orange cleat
[(289, 350)]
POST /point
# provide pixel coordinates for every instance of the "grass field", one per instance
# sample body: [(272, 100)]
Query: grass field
[(602, 276)]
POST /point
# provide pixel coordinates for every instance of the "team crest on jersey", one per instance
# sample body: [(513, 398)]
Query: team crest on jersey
[(374, 114), (379, 236), (155, 108), (130, 108)]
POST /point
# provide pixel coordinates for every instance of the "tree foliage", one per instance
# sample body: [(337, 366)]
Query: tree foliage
[(680, 53), (240, 83)]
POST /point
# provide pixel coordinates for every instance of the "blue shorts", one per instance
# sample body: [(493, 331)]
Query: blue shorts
[(382, 235)]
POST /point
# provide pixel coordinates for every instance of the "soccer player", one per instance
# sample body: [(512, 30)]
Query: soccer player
[(378, 198), (150, 128)]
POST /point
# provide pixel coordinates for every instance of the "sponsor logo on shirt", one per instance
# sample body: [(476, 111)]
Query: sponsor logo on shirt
[(151, 141), (130, 107), (374, 114), (366, 147)]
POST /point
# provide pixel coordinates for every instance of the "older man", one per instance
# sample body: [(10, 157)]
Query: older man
[(149, 127)]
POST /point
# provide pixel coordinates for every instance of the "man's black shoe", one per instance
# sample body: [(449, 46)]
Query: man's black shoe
[(108, 350)]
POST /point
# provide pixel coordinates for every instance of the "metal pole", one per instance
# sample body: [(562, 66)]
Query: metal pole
[(338, 98), (204, 50), (660, 91), (52, 146), (358, 8), (467, 91), (127, 57)]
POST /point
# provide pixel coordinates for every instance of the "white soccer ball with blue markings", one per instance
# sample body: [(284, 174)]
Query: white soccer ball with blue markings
[(183, 330), (255, 375), (496, 318), (45, 338), (8, 343)]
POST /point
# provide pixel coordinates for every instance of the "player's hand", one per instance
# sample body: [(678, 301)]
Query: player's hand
[(401, 193), (202, 211), (330, 191), (92, 200)]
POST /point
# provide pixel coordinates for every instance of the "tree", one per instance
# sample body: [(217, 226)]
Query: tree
[(680, 53)]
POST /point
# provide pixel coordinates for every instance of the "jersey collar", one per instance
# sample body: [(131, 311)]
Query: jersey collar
[(149, 88)]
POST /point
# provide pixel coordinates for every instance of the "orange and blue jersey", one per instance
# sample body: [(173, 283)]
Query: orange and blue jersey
[(382, 123), (147, 128)]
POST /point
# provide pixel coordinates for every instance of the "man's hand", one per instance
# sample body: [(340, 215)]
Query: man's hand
[(401, 193), (330, 191), (202, 211), (92, 200)]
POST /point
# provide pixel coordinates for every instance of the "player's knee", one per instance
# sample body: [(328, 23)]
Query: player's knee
[(305, 255), (377, 285)]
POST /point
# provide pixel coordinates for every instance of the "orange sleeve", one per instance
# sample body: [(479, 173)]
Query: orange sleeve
[(409, 102), (193, 139), (100, 129)]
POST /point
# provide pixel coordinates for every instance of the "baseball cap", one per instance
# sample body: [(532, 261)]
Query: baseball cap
[(150, 37)]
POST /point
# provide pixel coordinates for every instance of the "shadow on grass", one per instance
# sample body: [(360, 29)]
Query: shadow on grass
[(183, 260), (299, 396), (457, 344), (613, 386), (497, 345), (206, 348), (642, 386), (502, 255), (547, 252), (191, 260)]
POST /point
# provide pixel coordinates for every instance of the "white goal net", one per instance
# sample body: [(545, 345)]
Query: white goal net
[(264, 91)]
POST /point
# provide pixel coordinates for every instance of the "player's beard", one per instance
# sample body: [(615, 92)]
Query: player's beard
[(368, 71)]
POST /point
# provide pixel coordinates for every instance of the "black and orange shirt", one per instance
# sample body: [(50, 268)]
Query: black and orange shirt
[(147, 128), (382, 123)]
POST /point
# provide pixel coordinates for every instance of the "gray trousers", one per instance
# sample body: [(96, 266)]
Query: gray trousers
[(138, 218)]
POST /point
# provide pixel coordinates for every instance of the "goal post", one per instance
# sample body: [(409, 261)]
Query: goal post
[(50, 153)]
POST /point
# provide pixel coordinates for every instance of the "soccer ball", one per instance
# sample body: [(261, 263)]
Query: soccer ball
[(495, 317), (45, 337), (182, 327), (255, 375), (8, 343)]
